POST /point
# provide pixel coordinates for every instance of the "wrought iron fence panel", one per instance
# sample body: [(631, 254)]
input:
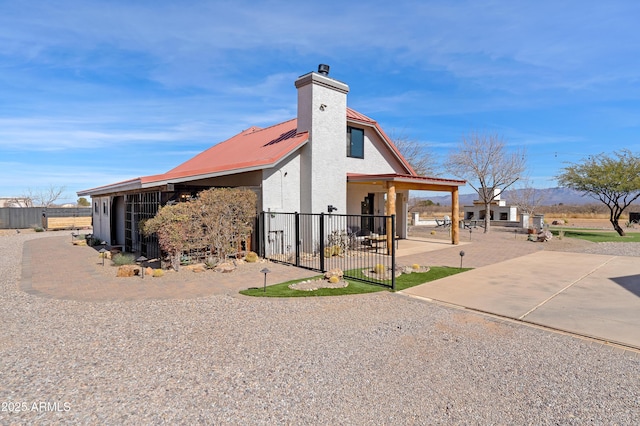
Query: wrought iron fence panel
[(356, 244)]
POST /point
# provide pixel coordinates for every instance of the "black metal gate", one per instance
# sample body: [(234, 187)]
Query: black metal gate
[(357, 244)]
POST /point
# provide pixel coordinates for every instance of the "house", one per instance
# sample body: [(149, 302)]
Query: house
[(329, 157), (499, 210)]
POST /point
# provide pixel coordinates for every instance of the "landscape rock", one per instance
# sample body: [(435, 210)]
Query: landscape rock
[(196, 267), (544, 236), (128, 271), (225, 267), (335, 272)]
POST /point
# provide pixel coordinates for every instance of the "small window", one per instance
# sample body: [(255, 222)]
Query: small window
[(355, 142), (104, 208), (95, 207)]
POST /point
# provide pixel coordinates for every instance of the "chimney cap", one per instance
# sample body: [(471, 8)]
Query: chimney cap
[(323, 69)]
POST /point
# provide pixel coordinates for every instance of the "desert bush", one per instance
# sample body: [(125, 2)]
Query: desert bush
[(123, 259), (334, 279), (226, 216), (219, 219), (158, 273), (251, 257), (379, 268), (176, 228)]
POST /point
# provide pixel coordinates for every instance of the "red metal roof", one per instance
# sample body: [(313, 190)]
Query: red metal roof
[(250, 149)]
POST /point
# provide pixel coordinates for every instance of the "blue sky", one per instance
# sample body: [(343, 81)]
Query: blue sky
[(97, 92)]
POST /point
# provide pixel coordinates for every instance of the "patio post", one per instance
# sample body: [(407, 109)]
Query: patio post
[(455, 216), (390, 211)]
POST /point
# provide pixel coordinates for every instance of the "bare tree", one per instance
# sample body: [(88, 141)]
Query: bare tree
[(418, 154), (527, 198), (481, 159), (43, 197), (19, 202)]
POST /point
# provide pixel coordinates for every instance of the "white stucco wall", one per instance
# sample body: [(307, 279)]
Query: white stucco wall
[(377, 159), (281, 187)]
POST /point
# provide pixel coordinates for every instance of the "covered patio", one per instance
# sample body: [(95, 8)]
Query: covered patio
[(391, 184)]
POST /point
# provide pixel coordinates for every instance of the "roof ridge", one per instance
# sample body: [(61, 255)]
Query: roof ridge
[(260, 129)]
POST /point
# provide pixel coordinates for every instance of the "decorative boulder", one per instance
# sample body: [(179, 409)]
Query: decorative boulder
[(335, 272), (128, 271), (544, 236), (225, 267), (197, 267)]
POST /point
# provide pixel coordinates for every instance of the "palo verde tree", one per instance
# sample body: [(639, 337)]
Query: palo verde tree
[(613, 180), (482, 160)]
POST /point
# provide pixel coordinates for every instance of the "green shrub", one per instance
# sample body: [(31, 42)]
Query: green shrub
[(379, 269), (123, 259), (158, 273), (93, 241), (334, 279)]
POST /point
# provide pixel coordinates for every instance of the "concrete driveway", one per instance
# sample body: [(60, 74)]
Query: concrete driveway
[(592, 295)]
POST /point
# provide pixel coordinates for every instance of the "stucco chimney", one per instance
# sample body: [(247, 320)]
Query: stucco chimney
[(322, 111)]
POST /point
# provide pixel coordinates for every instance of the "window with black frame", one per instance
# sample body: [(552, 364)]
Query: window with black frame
[(355, 142)]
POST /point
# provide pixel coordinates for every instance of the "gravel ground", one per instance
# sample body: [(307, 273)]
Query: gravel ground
[(371, 359)]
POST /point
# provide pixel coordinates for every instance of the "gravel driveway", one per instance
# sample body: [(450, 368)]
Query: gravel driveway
[(371, 359)]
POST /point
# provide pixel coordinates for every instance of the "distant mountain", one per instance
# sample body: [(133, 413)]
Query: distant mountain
[(551, 197)]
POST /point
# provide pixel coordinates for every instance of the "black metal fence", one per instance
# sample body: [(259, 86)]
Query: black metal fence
[(357, 244)]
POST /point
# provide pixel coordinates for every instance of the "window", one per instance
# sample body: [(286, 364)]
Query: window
[(355, 142), (104, 208), (95, 207)]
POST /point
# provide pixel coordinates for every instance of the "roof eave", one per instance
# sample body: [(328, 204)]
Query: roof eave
[(128, 185)]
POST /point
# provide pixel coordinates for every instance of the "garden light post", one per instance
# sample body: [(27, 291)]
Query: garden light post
[(102, 251), (265, 271), (73, 235), (461, 256), (140, 260)]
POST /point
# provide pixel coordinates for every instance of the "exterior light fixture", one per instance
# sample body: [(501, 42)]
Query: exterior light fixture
[(102, 251), (140, 260), (265, 271), (461, 256)]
